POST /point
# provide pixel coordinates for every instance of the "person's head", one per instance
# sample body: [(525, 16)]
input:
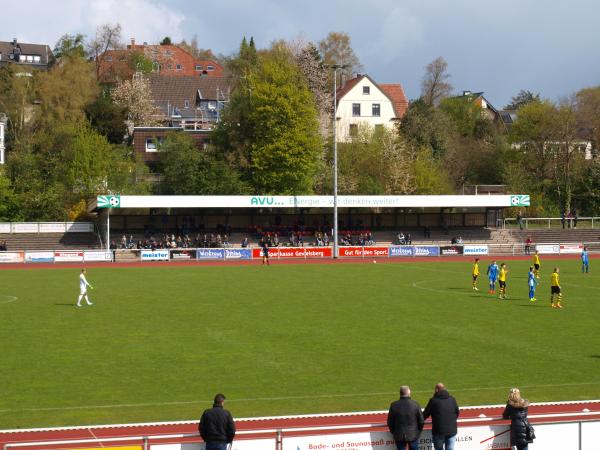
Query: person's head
[(494, 262), (514, 395), (503, 265), (536, 252), (585, 249), (556, 269), (440, 387), (531, 268), (219, 400), (476, 260), (83, 271), (404, 391)]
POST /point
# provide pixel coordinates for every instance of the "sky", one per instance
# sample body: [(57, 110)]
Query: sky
[(498, 47)]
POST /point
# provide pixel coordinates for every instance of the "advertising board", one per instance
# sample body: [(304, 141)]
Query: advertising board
[(238, 253), (68, 256), (210, 253), (96, 255), (427, 250), (5, 227), (39, 256), (52, 227), (24, 227), (154, 255), (570, 249), (476, 249), (363, 252), (237, 444), (294, 252), (548, 249), (401, 250), (11, 257), (451, 250), (184, 255)]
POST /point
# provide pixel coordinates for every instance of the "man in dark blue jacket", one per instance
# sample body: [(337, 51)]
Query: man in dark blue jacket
[(443, 409), (405, 421), (216, 426)]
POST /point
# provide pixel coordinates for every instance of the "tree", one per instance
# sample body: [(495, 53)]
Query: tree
[(136, 97), (521, 99), (70, 46), (138, 63), (588, 114), (434, 85), (108, 37), (107, 118), (430, 176), (198, 53), (336, 49), (15, 102), (425, 126), (9, 207), (166, 41), (245, 61)]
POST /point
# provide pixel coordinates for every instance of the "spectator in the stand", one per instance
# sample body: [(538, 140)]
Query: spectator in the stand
[(124, 242), (245, 242), (520, 220), (443, 409), (226, 241), (299, 240), (459, 240), (2, 246), (562, 219), (216, 426), (326, 240), (275, 240), (401, 238), (426, 232), (405, 421), (516, 412), (574, 214), (408, 239), (528, 243)]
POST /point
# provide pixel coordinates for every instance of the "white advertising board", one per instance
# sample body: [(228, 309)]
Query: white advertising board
[(154, 255), (25, 227), (250, 444), (571, 249), (94, 255), (475, 249), (52, 227), (39, 256), (311, 201), (68, 256), (548, 249), (5, 228), (11, 257)]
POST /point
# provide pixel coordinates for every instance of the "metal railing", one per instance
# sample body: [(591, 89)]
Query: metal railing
[(540, 223)]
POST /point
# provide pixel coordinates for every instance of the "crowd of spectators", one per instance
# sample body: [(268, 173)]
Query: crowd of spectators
[(456, 240), (212, 240), (2, 246), (403, 239)]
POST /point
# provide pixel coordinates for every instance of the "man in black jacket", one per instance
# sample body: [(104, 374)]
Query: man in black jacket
[(443, 409), (216, 426), (405, 421)]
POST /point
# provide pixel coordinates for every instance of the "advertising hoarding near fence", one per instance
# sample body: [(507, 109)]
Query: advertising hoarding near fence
[(413, 250), (295, 252), (12, 257), (68, 256), (185, 255), (548, 249), (210, 253), (475, 249), (94, 255), (238, 253), (154, 255), (451, 250), (363, 252), (39, 256), (571, 249)]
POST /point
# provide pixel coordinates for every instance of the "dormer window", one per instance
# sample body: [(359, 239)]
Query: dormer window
[(210, 68), (366, 90), (198, 67), (178, 67)]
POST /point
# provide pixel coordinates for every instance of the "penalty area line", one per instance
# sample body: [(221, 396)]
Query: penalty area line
[(293, 397), (8, 299)]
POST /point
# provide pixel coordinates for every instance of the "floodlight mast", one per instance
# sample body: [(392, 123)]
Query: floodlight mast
[(336, 68)]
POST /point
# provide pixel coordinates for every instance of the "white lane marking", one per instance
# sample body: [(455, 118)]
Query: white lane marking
[(8, 299), (294, 397)]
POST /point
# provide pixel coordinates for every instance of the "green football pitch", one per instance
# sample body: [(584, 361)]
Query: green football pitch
[(159, 342)]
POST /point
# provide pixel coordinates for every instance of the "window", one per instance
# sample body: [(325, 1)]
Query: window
[(170, 66), (178, 67), (167, 52), (376, 110), (37, 59), (153, 144), (198, 67), (186, 104), (210, 68), (366, 90), (356, 109), (353, 130)]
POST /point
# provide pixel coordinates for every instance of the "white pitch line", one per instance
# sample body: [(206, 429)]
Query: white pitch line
[(9, 299), (293, 397)]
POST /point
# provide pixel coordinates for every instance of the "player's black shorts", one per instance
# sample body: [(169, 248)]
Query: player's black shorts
[(537, 266), (502, 284), (555, 289), (475, 277)]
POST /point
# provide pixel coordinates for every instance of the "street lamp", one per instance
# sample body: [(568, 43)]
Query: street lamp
[(336, 68)]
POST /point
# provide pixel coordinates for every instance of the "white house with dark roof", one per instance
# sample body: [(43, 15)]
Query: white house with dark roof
[(361, 101)]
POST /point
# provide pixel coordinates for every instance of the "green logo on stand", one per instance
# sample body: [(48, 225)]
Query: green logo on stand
[(520, 200), (109, 201)]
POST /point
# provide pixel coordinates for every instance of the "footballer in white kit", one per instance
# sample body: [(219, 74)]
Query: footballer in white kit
[(83, 285)]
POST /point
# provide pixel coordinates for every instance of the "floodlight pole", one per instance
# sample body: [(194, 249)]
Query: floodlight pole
[(336, 68), (108, 229)]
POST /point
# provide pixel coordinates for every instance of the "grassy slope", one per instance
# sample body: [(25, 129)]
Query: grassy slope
[(160, 342)]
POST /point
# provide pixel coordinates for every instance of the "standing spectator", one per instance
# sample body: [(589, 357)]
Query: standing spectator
[(443, 409), (574, 214), (520, 220), (562, 219), (408, 239), (516, 411), (216, 425), (528, 243), (405, 421), (245, 242)]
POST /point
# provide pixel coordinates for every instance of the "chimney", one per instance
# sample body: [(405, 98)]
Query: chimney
[(14, 42), (465, 93)]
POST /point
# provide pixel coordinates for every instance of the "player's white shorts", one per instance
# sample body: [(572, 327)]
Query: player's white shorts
[(83, 290)]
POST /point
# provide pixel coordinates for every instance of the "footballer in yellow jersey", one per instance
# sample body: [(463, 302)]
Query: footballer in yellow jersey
[(555, 292), (502, 281), (536, 264), (475, 273)]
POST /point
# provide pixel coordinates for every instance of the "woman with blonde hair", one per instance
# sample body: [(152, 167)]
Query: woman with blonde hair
[(516, 411)]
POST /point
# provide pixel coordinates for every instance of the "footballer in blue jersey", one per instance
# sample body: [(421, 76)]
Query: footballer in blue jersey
[(585, 261), (492, 272), (532, 282)]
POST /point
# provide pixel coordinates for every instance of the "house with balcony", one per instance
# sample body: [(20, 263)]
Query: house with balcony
[(25, 56), (361, 101)]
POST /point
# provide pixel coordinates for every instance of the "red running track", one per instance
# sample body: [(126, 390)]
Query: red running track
[(540, 413)]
